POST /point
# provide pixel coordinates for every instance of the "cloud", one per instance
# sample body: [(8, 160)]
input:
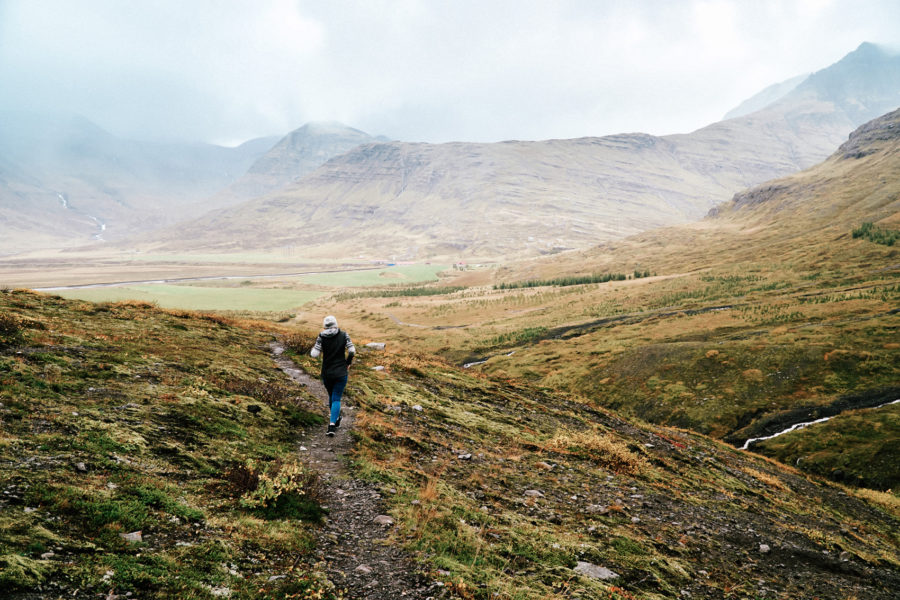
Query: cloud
[(431, 70)]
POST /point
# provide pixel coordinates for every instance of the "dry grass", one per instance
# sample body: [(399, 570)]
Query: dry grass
[(602, 449), (887, 500)]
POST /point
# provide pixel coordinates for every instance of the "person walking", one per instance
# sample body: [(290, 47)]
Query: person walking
[(332, 344)]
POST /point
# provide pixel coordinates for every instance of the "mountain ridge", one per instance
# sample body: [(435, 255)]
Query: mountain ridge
[(488, 201)]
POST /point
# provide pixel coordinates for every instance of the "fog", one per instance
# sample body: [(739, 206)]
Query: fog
[(227, 71)]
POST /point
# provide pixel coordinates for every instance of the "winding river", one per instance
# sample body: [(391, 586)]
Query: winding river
[(797, 426)]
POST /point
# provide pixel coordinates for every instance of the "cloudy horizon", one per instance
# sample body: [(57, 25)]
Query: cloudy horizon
[(417, 70)]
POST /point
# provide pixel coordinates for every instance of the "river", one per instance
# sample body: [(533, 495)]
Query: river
[(797, 426)]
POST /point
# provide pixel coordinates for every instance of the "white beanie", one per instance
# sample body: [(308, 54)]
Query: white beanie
[(329, 322)]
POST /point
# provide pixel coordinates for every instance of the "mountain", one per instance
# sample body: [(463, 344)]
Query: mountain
[(64, 179), (778, 308), (518, 198), (774, 92), (295, 155)]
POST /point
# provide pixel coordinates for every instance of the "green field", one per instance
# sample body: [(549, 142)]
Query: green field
[(213, 295), (402, 274), (199, 298)]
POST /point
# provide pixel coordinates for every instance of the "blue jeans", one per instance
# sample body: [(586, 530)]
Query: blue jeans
[(335, 388)]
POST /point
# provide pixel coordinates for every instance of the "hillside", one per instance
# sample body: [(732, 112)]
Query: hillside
[(767, 313), (518, 198), (64, 180), (137, 444)]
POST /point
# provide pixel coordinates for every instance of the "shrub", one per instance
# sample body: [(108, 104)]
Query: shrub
[(563, 281), (285, 490), (879, 235), (10, 330)]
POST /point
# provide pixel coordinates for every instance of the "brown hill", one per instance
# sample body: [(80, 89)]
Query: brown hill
[(515, 198)]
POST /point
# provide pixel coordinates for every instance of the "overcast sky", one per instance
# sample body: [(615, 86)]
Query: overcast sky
[(225, 71)]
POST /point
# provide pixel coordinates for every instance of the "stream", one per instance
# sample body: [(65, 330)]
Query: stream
[(797, 426)]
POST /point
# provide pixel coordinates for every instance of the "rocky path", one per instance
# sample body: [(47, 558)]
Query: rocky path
[(354, 543)]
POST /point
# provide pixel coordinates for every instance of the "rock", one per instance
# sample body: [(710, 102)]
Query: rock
[(220, 592), (277, 577), (845, 556), (47, 555), (594, 571), (384, 520), (364, 569), (29, 509), (81, 467), (254, 409), (543, 465), (418, 407), (464, 457), (534, 493), (597, 508), (378, 368), (635, 520), (375, 345), (134, 537), (764, 548)]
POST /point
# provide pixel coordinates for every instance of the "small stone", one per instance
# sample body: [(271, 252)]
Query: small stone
[(845, 556), (543, 465), (764, 548), (597, 508), (534, 493), (415, 503), (220, 592), (464, 457), (133, 537), (47, 555), (303, 449), (418, 407), (364, 569), (375, 345), (80, 466), (635, 520), (378, 368), (277, 577), (384, 520), (29, 509), (594, 571)]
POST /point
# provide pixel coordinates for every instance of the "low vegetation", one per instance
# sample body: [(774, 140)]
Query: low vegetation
[(131, 440), (879, 235)]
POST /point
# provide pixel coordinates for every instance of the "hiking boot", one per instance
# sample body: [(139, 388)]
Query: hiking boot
[(331, 429), (338, 422)]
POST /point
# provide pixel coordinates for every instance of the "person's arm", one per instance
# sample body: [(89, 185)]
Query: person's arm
[(317, 349), (351, 349)]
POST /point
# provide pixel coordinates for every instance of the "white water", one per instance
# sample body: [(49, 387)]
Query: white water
[(472, 364), (101, 225), (62, 199), (797, 426)]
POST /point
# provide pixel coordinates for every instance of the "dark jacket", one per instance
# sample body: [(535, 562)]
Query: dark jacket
[(332, 344)]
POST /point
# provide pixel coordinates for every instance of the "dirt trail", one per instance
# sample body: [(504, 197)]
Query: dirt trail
[(356, 550)]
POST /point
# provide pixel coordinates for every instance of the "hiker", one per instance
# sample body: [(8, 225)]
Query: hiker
[(331, 344)]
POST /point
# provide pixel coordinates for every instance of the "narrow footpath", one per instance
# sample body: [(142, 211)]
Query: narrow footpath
[(354, 543)]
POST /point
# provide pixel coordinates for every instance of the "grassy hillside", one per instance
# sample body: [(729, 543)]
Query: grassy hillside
[(123, 418), (120, 418), (769, 310)]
